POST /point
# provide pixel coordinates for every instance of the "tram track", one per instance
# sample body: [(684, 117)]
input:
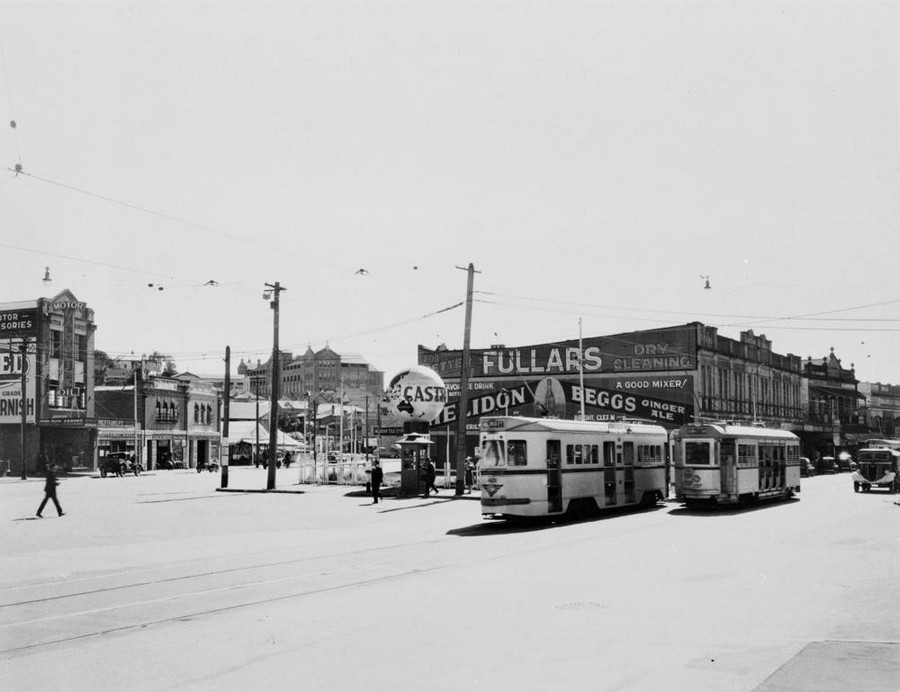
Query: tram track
[(57, 620)]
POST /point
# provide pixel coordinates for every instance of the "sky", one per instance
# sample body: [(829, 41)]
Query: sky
[(594, 161)]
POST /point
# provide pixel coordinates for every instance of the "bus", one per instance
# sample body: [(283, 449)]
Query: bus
[(726, 464), (877, 464), (542, 467)]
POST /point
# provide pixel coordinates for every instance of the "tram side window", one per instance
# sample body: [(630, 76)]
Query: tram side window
[(516, 453), (649, 454), (609, 453), (493, 453), (595, 454), (697, 453), (573, 454), (747, 455)]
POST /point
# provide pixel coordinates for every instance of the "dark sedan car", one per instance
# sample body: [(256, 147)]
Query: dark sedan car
[(827, 465)]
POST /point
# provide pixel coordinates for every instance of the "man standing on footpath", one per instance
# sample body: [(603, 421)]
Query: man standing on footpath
[(50, 490), (377, 477)]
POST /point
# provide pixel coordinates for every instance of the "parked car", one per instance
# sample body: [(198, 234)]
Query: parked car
[(845, 462), (807, 468), (118, 464), (827, 465)]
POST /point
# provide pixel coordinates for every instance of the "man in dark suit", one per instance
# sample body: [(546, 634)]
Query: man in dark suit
[(377, 477), (50, 490)]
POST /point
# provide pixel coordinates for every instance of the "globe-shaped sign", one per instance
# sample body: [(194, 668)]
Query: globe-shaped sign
[(417, 393)]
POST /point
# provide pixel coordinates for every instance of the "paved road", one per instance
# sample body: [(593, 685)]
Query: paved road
[(161, 583)]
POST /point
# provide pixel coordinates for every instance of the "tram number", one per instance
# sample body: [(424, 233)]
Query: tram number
[(689, 478)]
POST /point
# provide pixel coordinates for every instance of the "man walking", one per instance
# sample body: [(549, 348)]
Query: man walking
[(50, 490), (377, 477), (430, 477)]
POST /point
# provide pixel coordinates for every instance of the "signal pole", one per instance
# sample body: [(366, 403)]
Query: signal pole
[(275, 289), (23, 404), (464, 387), (226, 413)]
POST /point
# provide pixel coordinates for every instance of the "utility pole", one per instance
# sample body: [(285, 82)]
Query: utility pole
[(464, 387), (226, 414), (23, 405), (275, 289)]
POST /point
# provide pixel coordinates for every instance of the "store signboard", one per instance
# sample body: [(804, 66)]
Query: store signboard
[(18, 323), (12, 362)]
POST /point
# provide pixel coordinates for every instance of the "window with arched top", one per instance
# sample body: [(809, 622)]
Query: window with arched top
[(208, 414), (196, 413)]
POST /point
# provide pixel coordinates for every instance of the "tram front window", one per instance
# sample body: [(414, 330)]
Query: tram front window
[(493, 453), (696, 454)]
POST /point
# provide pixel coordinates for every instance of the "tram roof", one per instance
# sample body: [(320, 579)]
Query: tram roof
[(731, 430), (523, 424)]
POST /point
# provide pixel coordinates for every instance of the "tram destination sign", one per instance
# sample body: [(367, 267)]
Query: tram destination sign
[(18, 323)]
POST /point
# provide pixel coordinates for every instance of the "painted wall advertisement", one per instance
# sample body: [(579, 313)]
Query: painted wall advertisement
[(666, 400), (646, 375), (11, 364)]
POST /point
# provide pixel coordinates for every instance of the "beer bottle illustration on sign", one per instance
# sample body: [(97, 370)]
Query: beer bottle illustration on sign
[(549, 398)]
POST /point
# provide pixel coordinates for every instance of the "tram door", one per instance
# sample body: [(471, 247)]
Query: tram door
[(628, 454), (554, 476), (728, 466)]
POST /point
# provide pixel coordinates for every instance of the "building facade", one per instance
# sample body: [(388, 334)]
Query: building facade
[(882, 412), (318, 385), (47, 371), (165, 421)]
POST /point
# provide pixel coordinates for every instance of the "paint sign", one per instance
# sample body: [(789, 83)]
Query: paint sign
[(11, 364)]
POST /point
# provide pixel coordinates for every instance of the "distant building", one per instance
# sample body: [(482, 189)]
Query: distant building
[(882, 413), (316, 382)]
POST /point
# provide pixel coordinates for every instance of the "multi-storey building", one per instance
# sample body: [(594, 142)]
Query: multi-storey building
[(882, 413), (316, 383), (46, 344), (166, 420), (833, 408)]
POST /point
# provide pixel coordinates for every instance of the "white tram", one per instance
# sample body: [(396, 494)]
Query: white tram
[(719, 463), (536, 467)]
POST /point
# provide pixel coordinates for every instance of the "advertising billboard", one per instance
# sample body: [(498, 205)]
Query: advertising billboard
[(667, 400), (11, 364), (652, 350), (647, 375)]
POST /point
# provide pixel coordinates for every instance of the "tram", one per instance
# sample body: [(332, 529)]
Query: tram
[(721, 463), (539, 467), (877, 466)]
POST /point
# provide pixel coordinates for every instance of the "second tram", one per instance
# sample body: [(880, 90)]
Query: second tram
[(720, 463), (536, 467)]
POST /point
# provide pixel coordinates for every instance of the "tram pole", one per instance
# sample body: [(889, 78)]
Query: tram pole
[(464, 387)]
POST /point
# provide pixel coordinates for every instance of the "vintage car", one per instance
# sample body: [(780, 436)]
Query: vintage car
[(807, 468), (118, 464), (827, 465)]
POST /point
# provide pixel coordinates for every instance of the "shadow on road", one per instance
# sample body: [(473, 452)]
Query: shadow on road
[(500, 526), (719, 510)]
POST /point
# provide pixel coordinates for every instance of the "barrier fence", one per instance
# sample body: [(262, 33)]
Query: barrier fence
[(354, 470)]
